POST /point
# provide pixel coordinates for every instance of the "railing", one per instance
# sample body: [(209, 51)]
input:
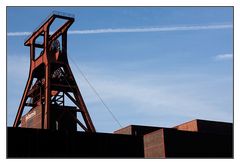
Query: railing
[(63, 14), (50, 15)]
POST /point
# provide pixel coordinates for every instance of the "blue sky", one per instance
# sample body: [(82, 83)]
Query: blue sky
[(151, 65)]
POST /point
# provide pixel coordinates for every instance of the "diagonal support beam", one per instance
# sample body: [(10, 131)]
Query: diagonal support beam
[(80, 123), (72, 99)]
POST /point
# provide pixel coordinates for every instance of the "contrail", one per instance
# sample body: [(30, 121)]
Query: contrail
[(137, 30), (18, 33)]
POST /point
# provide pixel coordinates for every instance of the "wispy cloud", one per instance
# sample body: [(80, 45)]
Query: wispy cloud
[(144, 102), (138, 30), (190, 99), (227, 56)]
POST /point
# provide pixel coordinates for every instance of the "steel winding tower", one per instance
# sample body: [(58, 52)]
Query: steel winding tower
[(50, 81)]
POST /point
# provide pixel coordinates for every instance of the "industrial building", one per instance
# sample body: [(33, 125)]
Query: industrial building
[(197, 138), (134, 141)]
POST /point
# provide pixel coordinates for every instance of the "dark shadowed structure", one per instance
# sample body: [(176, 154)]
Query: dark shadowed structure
[(133, 141)]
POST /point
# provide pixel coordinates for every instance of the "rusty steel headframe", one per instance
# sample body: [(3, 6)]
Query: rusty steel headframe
[(50, 74)]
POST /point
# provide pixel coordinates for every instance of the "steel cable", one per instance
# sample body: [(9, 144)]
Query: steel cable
[(95, 91)]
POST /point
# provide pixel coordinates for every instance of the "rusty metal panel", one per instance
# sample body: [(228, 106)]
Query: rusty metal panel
[(32, 119), (125, 131), (206, 126), (188, 126), (154, 144)]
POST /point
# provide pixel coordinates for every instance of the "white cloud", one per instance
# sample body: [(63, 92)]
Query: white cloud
[(138, 30), (224, 56)]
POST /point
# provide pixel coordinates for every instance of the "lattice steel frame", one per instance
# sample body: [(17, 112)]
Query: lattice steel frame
[(48, 60)]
